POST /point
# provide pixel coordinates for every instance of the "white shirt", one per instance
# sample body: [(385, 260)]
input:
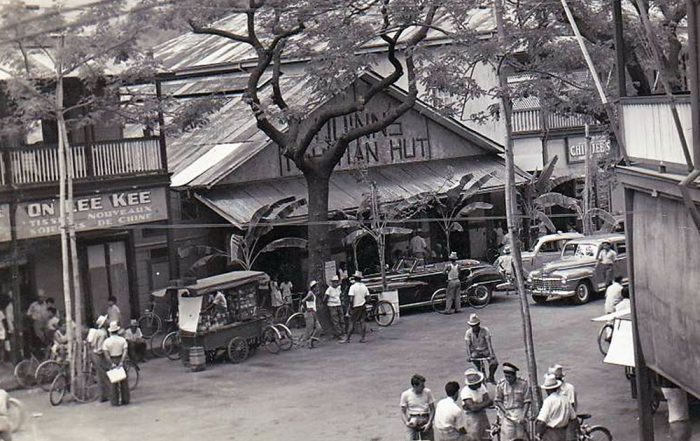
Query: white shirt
[(623, 305), (358, 291), (276, 294), (417, 404), (556, 411), (449, 418), (220, 300), (286, 288), (133, 335), (38, 311), (477, 396), (607, 257), (613, 296), (115, 345), (4, 401), (311, 303), (114, 314), (567, 390), (96, 338), (333, 296), (418, 245), (452, 271)]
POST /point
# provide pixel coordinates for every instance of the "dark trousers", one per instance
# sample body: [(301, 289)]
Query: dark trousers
[(609, 273), (137, 350), (101, 369), (336, 313), (120, 391)]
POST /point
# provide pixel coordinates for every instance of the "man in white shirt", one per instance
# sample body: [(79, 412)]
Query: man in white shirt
[(419, 246), (38, 313), (114, 314), (606, 259), (137, 344), (310, 317), (115, 349), (452, 294), (568, 391), (613, 295), (95, 339), (417, 409), (556, 414), (358, 294), (286, 288), (335, 309), (449, 417)]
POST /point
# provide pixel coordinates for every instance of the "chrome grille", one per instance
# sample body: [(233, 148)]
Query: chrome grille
[(546, 284)]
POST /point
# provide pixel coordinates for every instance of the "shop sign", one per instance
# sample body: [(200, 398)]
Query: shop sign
[(109, 210), (5, 233), (600, 147)]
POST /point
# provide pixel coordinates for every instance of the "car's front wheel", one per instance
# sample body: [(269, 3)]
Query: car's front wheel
[(539, 299), (583, 293)]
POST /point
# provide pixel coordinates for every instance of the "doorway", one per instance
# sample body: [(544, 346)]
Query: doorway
[(107, 276)]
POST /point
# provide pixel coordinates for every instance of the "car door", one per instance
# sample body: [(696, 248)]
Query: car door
[(548, 252), (620, 265)]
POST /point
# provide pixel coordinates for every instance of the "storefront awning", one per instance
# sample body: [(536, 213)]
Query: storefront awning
[(237, 204)]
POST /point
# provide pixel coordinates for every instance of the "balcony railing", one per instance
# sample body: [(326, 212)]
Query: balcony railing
[(31, 165), (529, 121), (649, 129)]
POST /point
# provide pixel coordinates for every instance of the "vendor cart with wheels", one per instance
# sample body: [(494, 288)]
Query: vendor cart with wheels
[(220, 315)]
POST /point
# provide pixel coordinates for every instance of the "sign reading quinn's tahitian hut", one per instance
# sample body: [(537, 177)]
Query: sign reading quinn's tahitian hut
[(108, 210)]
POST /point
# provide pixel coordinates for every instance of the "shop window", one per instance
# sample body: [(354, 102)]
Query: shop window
[(156, 231), (108, 275)]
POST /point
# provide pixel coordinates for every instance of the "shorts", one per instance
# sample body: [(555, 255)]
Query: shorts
[(358, 313)]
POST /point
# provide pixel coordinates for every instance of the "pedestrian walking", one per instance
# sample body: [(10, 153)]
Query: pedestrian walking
[(613, 295), (417, 410), (449, 418), (358, 294), (137, 344), (475, 400), (452, 296), (606, 259), (310, 316), (5, 429), (478, 341), (114, 314), (115, 350), (335, 308), (95, 339), (556, 414), (513, 399)]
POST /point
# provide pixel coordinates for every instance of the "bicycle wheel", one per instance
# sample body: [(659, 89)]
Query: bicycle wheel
[(297, 325), (16, 413), (286, 339), (171, 346), (479, 296), (46, 372), (132, 373), (24, 373), (150, 324), (283, 313), (384, 313), (87, 389), (156, 344), (599, 433), (604, 338), (437, 301), (58, 390), (270, 339)]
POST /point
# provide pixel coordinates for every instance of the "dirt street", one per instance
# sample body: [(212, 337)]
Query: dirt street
[(341, 392)]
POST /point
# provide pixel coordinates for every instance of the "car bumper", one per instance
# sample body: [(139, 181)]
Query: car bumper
[(552, 292)]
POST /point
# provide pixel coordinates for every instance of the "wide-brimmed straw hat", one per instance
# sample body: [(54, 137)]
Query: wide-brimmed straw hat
[(473, 320), (472, 377), (357, 275), (453, 256), (114, 327), (550, 382), (101, 320), (312, 284), (557, 368)]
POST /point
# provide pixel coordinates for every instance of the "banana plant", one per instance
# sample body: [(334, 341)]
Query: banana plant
[(244, 248)]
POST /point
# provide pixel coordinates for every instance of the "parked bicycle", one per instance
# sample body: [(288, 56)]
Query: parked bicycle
[(591, 433), (85, 389), (605, 337), (476, 296), (24, 370)]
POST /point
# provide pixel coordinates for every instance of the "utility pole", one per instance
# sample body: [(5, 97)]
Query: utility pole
[(512, 221), (586, 221)]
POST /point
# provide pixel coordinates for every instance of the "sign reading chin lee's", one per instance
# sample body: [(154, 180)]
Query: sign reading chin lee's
[(109, 210), (600, 147)]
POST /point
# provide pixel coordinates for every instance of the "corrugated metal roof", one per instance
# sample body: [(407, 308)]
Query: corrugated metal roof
[(190, 51), (395, 182)]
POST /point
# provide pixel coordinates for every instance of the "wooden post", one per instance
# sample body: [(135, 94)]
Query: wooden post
[(620, 49), (513, 223), (587, 184)]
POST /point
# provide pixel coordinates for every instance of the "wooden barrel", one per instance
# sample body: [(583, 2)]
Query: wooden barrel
[(198, 360)]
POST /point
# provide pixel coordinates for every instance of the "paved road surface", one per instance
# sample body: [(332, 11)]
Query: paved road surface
[(341, 392)]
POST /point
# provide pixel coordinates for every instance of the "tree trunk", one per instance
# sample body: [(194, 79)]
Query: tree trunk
[(318, 236), (381, 248), (447, 240)]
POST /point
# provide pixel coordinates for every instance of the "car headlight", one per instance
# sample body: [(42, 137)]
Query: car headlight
[(564, 280), (529, 278)]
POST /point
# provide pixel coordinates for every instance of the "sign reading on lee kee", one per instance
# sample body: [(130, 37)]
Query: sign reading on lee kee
[(5, 233), (600, 147), (41, 218)]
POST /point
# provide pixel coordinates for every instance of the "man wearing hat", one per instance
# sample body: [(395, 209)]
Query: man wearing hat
[(95, 338), (478, 341), (115, 349), (335, 308), (513, 399), (475, 400), (556, 414), (452, 296), (358, 294), (568, 391), (606, 259), (310, 317), (137, 344)]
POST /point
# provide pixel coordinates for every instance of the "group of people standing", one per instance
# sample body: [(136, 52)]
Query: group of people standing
[(462, 414)]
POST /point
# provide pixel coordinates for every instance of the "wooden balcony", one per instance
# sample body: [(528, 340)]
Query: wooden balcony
[(528, 121), (649, 130), (38, 164)]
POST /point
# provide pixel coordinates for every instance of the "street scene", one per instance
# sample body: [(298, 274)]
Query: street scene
[(354, 220)]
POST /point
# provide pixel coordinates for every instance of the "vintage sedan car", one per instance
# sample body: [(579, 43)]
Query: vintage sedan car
[(417, 281), (546, 249), (577, 274)]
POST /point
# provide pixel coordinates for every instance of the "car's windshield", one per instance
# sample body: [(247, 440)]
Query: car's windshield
[(580, 249)]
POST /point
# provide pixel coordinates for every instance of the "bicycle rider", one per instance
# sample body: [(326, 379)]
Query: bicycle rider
[(478, 342)]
